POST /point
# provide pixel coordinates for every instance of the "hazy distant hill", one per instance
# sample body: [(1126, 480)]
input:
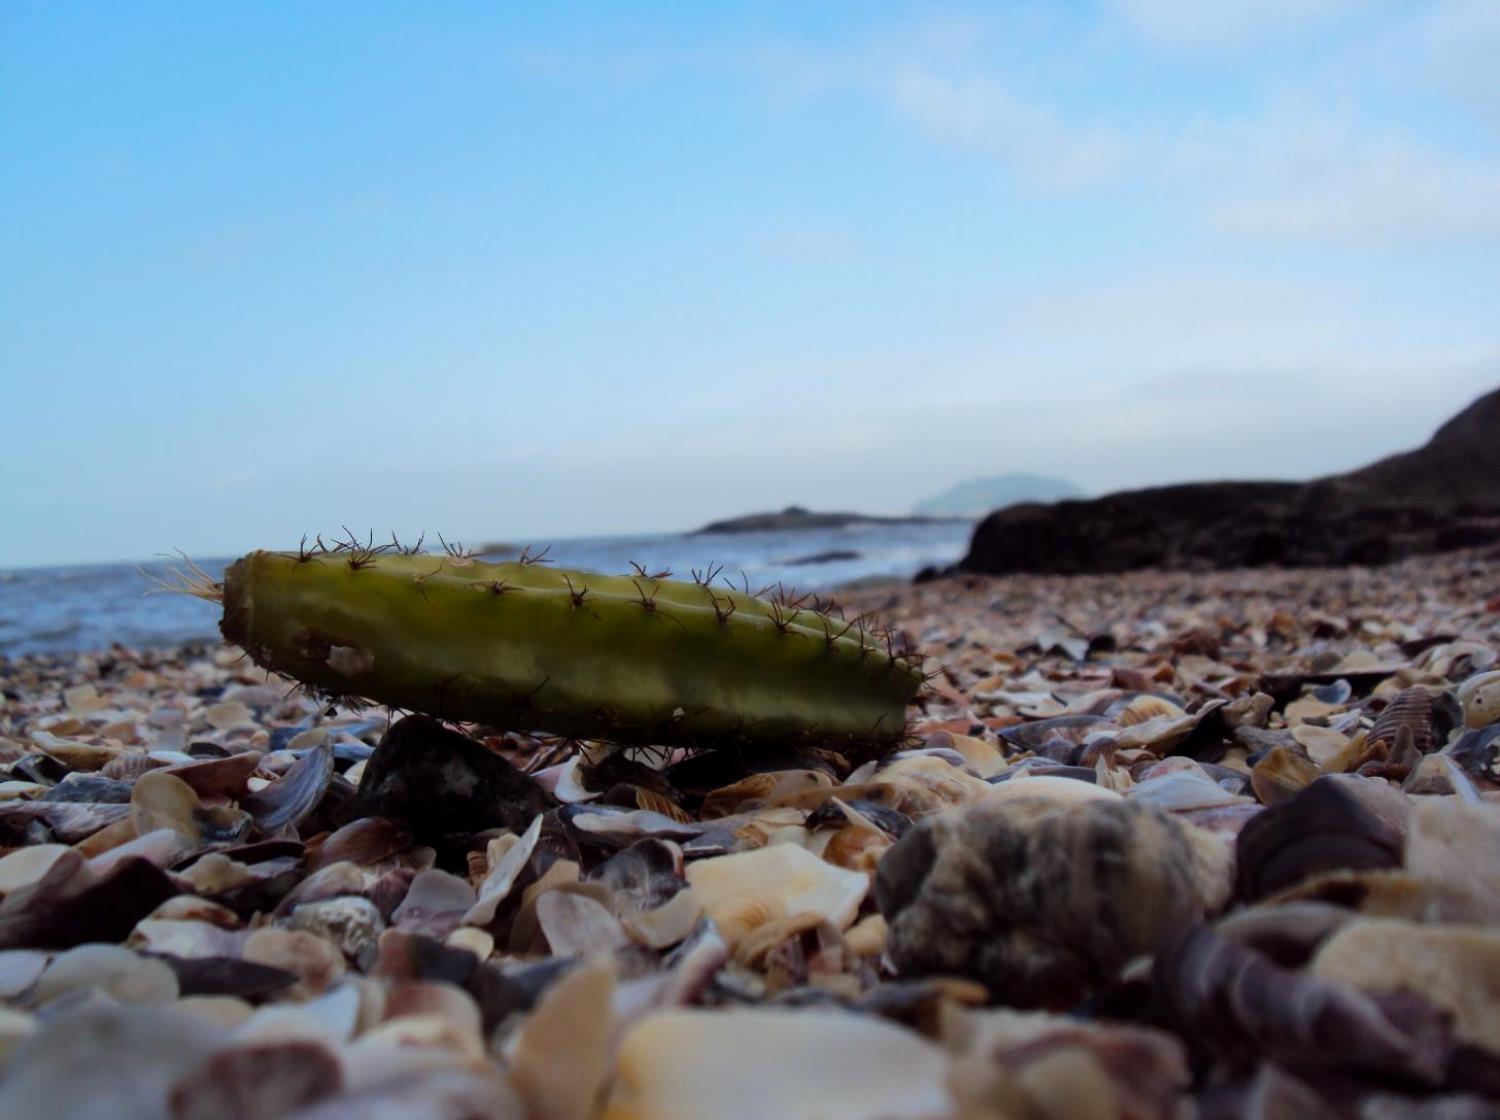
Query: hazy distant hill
[(978, 496)]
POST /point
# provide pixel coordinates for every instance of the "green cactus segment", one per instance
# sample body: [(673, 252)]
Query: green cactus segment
[(525, 647)]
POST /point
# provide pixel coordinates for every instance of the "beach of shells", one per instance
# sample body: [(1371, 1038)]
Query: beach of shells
[(1162, 845)]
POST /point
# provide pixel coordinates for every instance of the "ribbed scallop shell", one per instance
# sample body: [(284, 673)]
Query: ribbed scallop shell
[(738, 916), (129, 767), (1147, 706)]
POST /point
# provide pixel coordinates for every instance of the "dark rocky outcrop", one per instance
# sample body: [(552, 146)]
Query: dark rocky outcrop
[(796, 518), (1442, 496)]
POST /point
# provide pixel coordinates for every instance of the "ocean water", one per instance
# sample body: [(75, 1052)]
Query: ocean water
[(90, 607)]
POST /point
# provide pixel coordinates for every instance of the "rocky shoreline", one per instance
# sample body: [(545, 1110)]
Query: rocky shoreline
[(1223, 842), (1437, 498)]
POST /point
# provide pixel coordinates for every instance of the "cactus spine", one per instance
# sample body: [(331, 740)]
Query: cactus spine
[(524, 647)]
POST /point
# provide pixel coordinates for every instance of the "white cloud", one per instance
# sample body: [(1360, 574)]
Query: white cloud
[(1307, 173), (1228, 25), (977, 112)]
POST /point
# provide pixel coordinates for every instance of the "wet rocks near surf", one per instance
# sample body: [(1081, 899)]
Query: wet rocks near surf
[(1163, 845)]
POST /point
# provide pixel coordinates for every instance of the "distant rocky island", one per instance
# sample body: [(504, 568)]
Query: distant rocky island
[(978, 496), (798, 517), (1441, 496)]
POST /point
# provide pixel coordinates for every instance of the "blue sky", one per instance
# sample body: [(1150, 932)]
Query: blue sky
[(519, 271)]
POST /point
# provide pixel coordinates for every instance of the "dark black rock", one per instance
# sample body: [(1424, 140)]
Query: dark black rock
[(828, 557), (1439, 497), (441, 782)]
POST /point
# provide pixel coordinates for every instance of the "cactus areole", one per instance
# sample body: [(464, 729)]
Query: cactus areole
[(520, 646)]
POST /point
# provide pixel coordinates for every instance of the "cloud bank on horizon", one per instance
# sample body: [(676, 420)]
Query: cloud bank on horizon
[(526, 273)]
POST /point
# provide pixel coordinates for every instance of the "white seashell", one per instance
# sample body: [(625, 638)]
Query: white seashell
[(578, 926), (25, 866), (1480, 697), (801, 881), (507, 856), (669, 923), (1184, 790), (476, 941), (562, 780), (1047, 787), (226, 1011), (685, 1065), (19, 970), (15, 1028), (109, 969), (1324, 745), (315, 962), (560, 1057), (186, 939)]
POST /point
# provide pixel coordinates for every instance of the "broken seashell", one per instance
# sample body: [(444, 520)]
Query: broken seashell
[(857, 848), (782, 875), (1454, 967), (224, 1011), (868, 936), (315, 962), (183, 938), (1338, 821), (1287, 929), (19, 970), (219, 777), (508, 856), (70, 905), (293, 795), (477, 941), (1398, 894), (1280, 773), (763, 790), (435, 903), (27, 866), (829, 1065), (1013, 1063), (1478, 752), (105, 1059), (1230, 1001), (431, 1093), (668, 923), (560, 1058), (1327, 748), (162, 800), (15, 1028), (1453, 841), (1184, 790), (643, 876), (1055, 791), (161, 847), (365, 841), (258, 1081), (116, 972), (578, 926), (982, 757)]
